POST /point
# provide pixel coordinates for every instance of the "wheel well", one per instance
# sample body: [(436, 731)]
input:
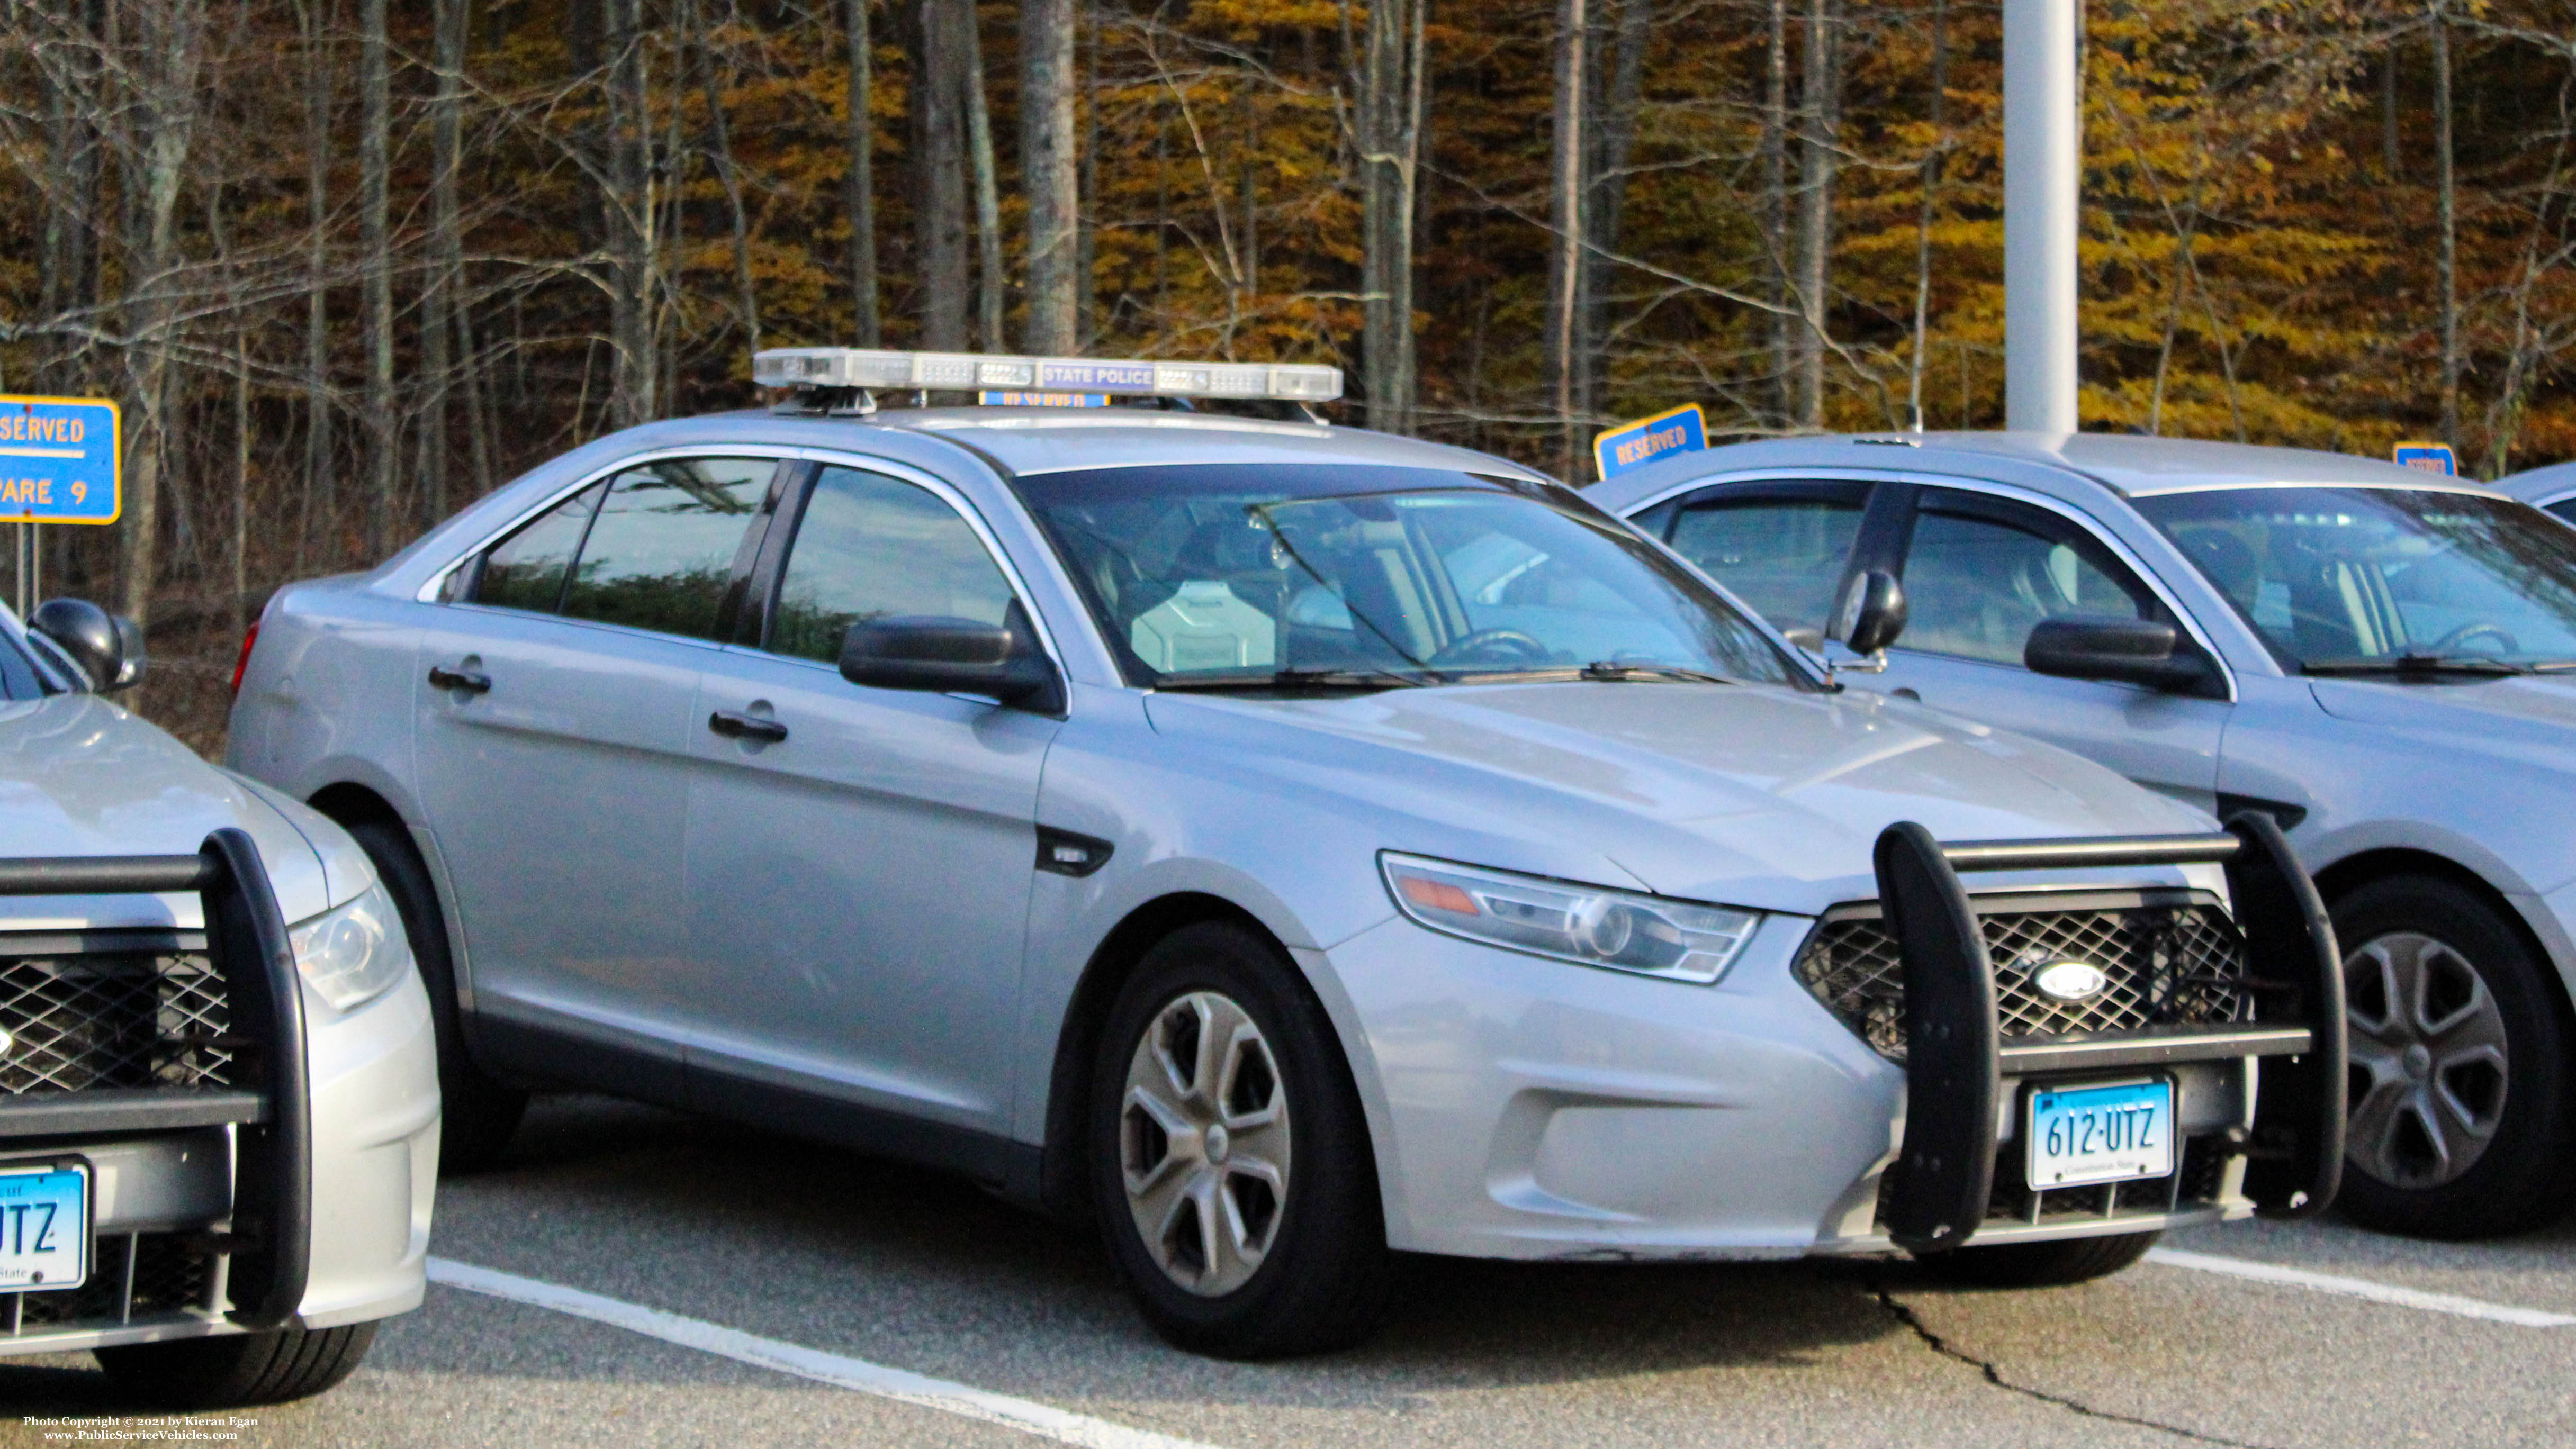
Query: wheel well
[(2353, 872), (350, 804), (1061, 1186)]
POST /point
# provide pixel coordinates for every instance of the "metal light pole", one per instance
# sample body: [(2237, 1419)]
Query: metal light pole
[(2043, 146)]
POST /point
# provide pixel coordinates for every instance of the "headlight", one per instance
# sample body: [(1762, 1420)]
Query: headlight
[(1586, 925), (355, 954)]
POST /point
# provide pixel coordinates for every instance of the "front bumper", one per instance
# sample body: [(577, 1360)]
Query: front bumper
[(1525, 1108), (301, 1199)]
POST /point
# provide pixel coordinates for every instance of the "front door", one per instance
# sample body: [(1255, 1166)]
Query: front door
[(859, 887), (1980, 572), (553, 725)]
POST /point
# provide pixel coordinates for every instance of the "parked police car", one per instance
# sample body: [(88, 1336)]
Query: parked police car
[(1281, 844), (2383, 660), (218, 1087)]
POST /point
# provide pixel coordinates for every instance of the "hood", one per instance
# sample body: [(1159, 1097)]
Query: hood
[(1749, 795), (80, 776), (2527, 718)]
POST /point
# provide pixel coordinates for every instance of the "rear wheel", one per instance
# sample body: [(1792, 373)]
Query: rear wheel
[(478, 1114), (238, 1369), (2041, 1265), (2460, 1122), (1230, 1165)]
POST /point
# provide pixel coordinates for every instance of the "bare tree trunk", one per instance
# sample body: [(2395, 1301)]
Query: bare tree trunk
[(1608, 190), (2450, 265), (1573, 19), (318, 475), (1390, 124), (939, 165), (1923, 224), (1086, 307), (992, 291), (1815, 206), (720, 144), (1775, 199), (2388, 151), (173, 45), (375, 132), (630, 216), (439, 302), (862, 183), (1049, 175)]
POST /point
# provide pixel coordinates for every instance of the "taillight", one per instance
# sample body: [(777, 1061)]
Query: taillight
[(243, 663)]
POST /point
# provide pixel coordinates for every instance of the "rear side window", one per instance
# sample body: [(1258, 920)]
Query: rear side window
[(663, 544), (870, 547), (527, 569), (1783, 555)]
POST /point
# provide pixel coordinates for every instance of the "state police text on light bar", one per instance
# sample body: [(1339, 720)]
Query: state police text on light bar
[(833, 367)]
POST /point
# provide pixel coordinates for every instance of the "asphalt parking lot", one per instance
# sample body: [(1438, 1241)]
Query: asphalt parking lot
[(759, 1247)]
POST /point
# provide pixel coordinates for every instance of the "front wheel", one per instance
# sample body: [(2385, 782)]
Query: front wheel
[(1230, 1163), (2041, 1265), (2460, 1122), (238, 1370)]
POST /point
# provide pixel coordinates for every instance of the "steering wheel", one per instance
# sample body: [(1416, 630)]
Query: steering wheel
[(1491, 646), (2466, 632)]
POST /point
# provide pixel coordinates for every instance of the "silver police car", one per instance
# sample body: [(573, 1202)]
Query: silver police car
[(218, 1087), (2382, 659), (1277, 844)]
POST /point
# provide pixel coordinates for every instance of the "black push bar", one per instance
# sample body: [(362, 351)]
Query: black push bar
[(1943, 1176), (246, 936)]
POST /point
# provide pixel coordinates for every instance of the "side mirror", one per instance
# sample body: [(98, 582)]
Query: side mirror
[(1872, 613), (2128, 651), (108, 648), (951, 656)]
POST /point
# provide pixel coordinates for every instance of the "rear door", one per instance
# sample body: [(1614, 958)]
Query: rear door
[(1981, 571), (553, 724), (858, 885)]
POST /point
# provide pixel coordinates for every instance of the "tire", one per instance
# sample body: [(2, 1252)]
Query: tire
[(2051, 1264), (478, 1114), (2460, 1124), (239, 1369), (1268, 1106)]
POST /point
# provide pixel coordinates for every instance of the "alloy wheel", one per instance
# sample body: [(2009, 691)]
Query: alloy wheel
[(1204, 1143), (2428, 1060)]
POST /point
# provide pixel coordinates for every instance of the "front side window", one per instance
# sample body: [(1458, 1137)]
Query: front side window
[(2363, 575), (1215, 573), (1982, 573), (1781, 554), (870, 547), (18, 677), (663, 544)]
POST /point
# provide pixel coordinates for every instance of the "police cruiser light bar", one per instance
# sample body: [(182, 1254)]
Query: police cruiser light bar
[(807, 368)]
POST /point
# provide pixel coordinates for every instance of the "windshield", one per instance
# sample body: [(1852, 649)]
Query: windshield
[(2362, 576), (1208, 575)]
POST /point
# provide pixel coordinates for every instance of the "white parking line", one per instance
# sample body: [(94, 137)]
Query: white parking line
[(857, 1374), (2361, 1288)]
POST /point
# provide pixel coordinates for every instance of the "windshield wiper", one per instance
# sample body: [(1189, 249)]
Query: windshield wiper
[(1615, 671), (1305, 679), (2419, 665)]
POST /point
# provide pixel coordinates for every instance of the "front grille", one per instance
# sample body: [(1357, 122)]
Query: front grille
[(132, 1276), (2172, 963), (95, 1019)]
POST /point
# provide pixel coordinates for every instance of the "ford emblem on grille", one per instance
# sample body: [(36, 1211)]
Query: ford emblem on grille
[(2070, 980)]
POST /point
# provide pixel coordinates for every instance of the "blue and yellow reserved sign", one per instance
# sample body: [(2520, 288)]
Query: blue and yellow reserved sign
[(59, 460), (2428, 457), (1630, 445)]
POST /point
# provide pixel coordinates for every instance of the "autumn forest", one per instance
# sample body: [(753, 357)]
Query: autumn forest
[(348, 264)]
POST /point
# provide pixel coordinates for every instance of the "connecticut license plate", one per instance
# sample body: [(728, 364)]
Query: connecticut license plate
[(2100, 1134), (44, 1228)]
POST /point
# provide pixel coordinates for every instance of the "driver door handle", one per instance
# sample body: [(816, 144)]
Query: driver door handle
[(733, 724), (465, 681)]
